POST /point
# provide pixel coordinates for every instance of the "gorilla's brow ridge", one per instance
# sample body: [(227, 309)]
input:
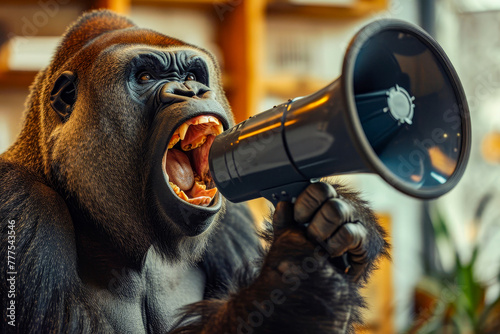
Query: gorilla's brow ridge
[(176, 60), (155, 60)]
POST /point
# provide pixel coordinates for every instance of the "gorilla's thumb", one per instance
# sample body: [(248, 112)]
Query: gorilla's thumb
[(283, 216)]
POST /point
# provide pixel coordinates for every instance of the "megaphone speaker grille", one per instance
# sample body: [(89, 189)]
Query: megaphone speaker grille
[(407, 107)]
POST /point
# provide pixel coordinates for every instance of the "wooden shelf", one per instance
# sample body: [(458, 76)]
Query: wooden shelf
[(119, 6), (35, 2), (16, 79), (240, 37), (289, 86), (360, 8), (379, 293), (123, 6), (182, 2)]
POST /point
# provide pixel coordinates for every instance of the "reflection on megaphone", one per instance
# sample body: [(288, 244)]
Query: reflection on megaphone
[(398, 110)]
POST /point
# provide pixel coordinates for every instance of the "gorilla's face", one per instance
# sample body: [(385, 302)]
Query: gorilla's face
[(174, 86), (134, 147)]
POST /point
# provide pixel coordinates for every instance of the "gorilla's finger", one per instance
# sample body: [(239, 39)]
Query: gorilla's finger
[(311, 199), (328, 219), (351, 237), (283, 215)]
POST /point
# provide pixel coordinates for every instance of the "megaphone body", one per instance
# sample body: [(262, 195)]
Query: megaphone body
[(398, 110)]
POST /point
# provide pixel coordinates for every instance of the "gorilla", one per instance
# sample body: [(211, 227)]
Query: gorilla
[(111, 223)]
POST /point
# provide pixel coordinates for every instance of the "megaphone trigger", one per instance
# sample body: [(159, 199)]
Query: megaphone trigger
[(286, 193)]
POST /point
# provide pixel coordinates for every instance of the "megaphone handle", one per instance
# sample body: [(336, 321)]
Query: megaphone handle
[(289, 193)]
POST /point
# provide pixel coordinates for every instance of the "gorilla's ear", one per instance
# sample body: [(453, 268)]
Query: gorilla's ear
[(63, 94)]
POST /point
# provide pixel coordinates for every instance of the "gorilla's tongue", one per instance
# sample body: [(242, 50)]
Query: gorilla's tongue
[(186, 183), (179, 169)]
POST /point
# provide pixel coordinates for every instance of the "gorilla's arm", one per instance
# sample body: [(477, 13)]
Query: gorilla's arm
[(48, 293), (299, 287), (233, 247)]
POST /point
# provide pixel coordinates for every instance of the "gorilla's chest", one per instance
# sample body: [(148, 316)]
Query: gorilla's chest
[(149, 301)]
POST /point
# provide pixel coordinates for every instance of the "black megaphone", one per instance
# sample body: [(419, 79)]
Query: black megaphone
[(398, 110)]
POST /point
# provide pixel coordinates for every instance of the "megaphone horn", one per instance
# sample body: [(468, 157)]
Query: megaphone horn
[(397, 110)]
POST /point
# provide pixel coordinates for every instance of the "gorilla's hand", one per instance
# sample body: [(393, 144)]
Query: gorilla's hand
[(302, 285), (333, 222)]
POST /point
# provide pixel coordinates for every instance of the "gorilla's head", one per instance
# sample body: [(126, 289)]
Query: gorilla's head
[(121, 123)]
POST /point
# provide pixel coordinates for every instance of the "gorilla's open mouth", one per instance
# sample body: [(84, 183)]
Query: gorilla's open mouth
[(185, 161)]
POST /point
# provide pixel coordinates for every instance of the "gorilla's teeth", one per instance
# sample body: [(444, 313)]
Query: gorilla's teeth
[(201, 120), (179, 192), (213, 120), (194, 145), (219, 128), (174, 140), (182, 130)]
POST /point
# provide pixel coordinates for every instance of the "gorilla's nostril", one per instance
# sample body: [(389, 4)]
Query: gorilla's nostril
[(173, 92), (170, 98), (185, 91)]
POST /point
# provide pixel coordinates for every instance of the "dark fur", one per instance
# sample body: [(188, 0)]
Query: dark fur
[(77, 190)]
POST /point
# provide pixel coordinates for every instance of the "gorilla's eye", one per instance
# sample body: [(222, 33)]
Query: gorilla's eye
[(144, 77), (190, 77)]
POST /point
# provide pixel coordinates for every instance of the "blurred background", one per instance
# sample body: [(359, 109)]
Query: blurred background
[(444, 274)]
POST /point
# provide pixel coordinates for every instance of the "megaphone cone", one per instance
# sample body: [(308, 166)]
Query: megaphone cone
[(398, 110)]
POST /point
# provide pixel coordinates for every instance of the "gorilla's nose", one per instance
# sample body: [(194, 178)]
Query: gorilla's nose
[(174, 91)]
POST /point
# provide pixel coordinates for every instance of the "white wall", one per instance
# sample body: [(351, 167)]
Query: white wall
[(11, 111)]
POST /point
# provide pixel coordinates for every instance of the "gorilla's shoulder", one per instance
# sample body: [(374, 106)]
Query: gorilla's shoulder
[(27, 197), (42, 230), (36, 223), (234, 247)]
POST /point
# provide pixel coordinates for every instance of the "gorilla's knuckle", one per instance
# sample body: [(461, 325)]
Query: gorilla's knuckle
[(337, 210), (347, 236), (353, 236), (357, 235), (314, 231), (322, 191)]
